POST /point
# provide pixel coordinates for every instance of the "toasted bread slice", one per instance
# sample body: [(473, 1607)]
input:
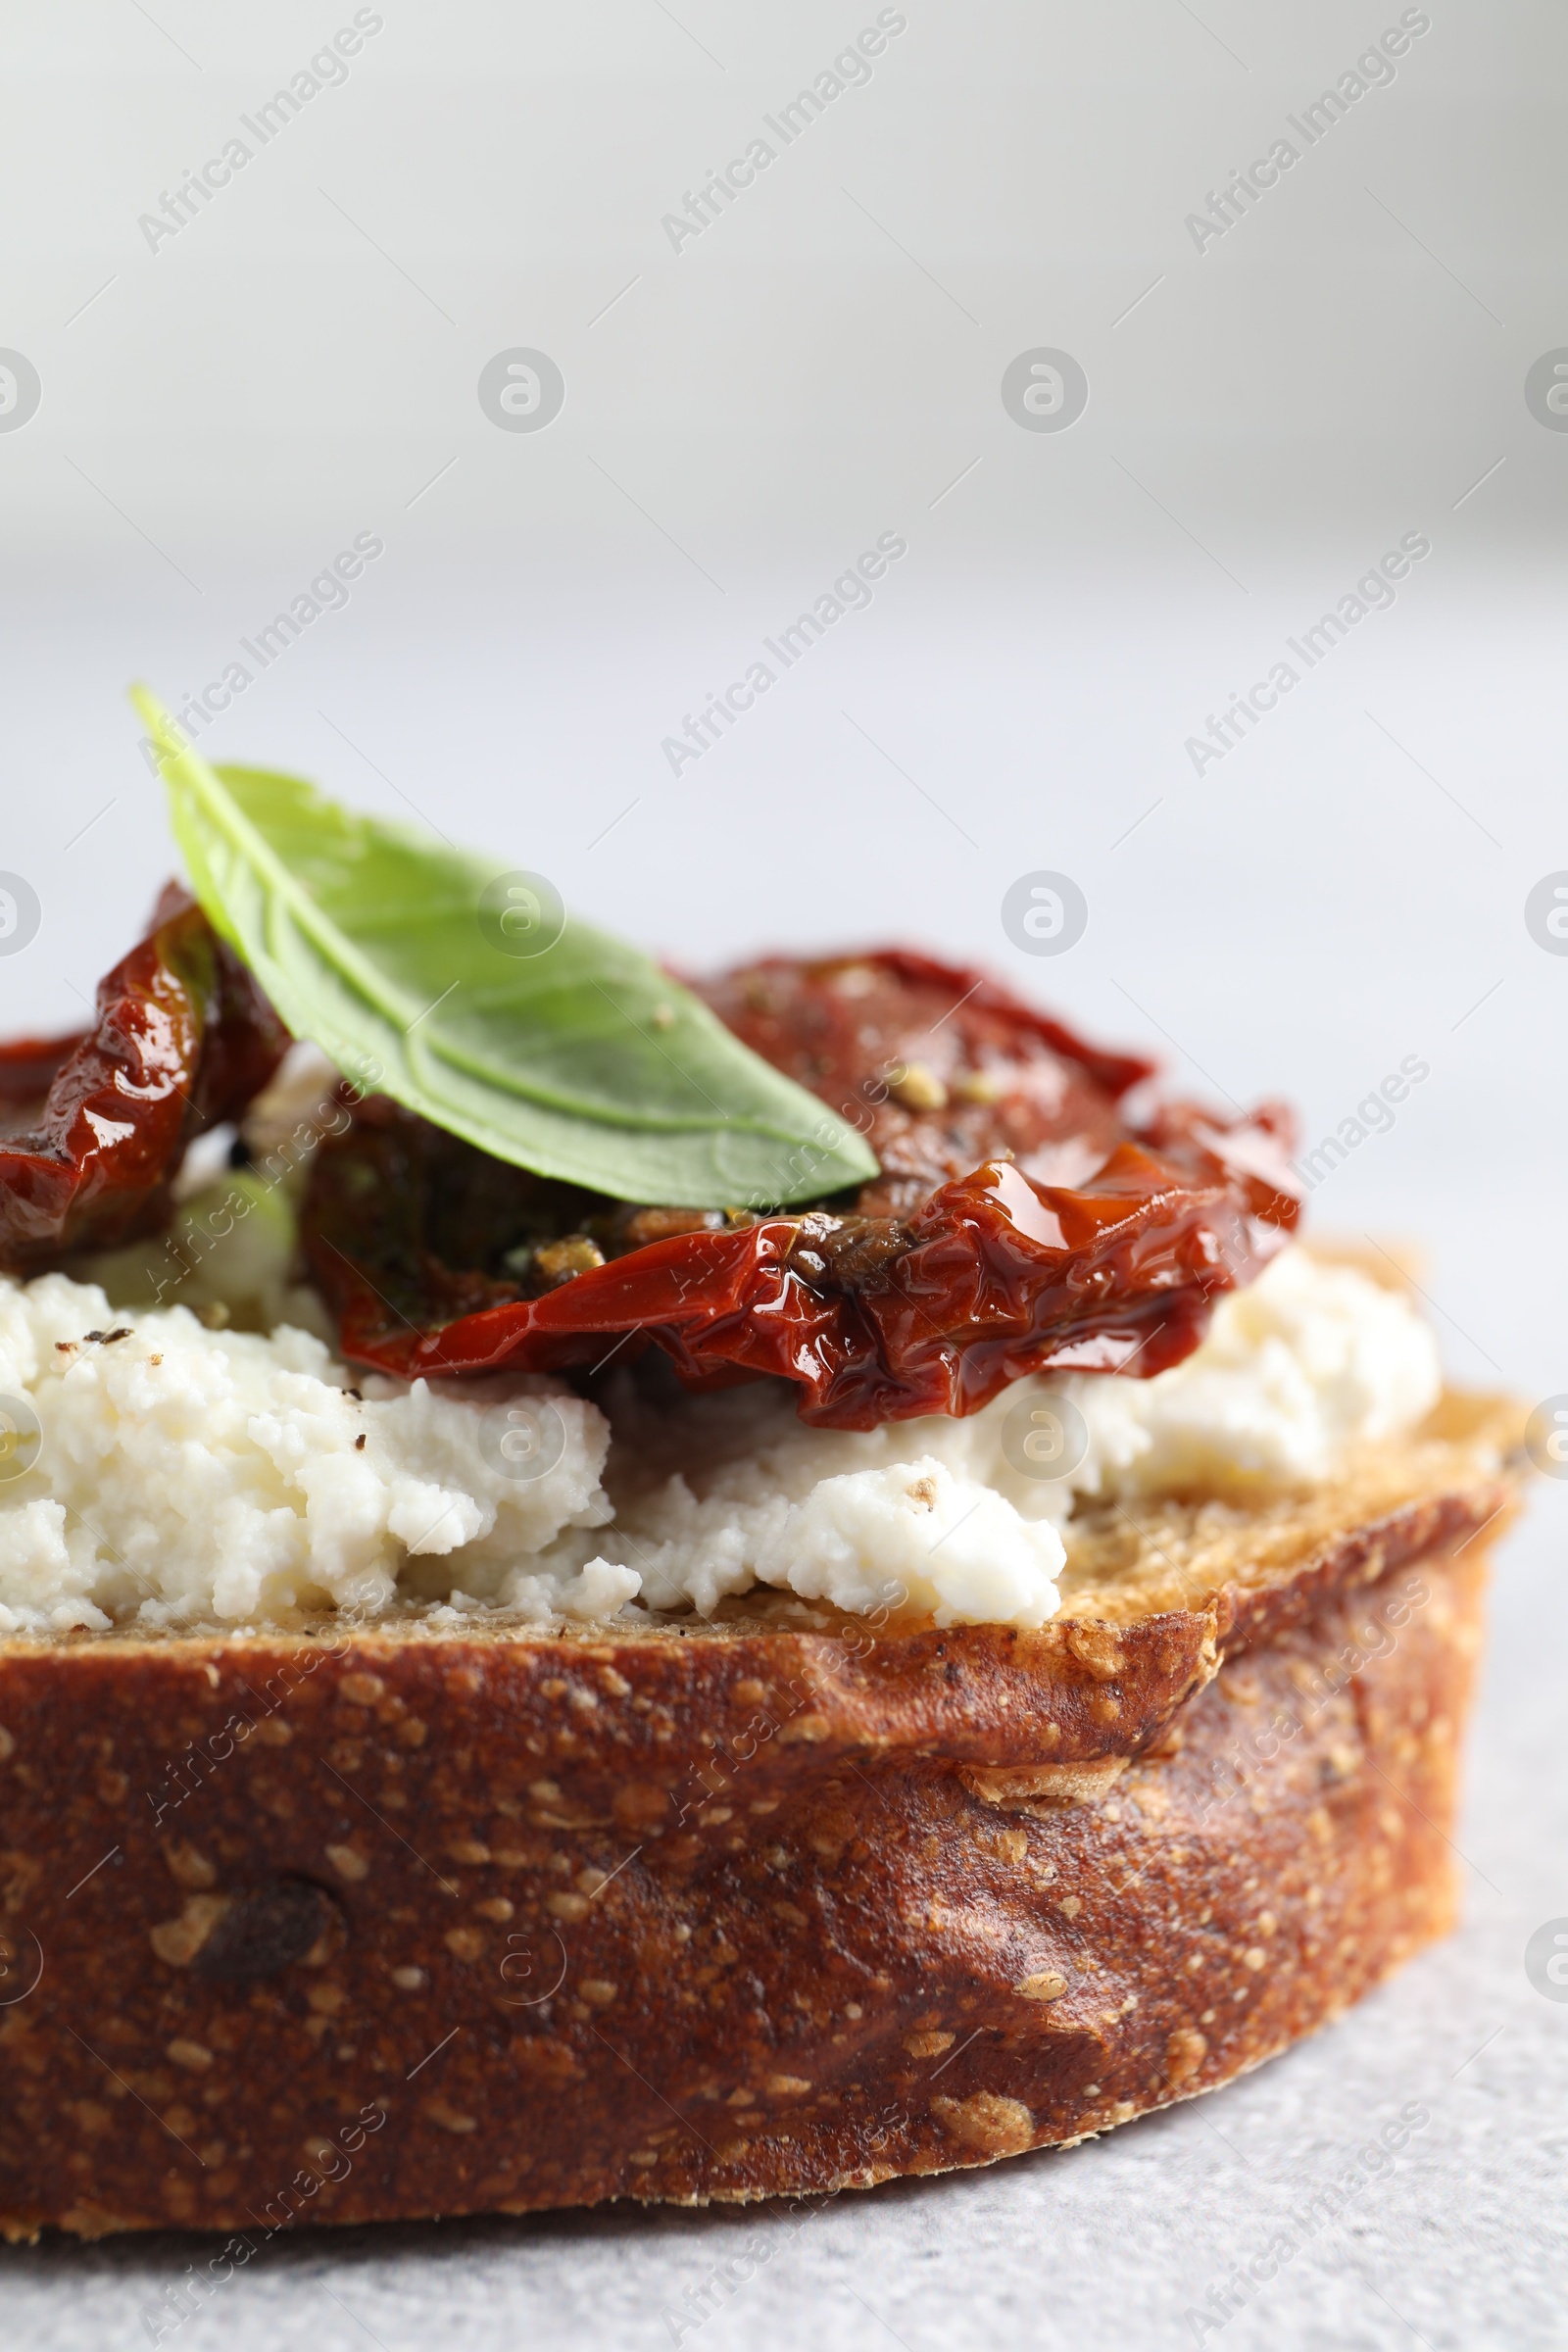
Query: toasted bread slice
[(385, 1922)]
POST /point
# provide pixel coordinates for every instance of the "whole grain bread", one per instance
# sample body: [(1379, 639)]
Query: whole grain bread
[(364, 1923)]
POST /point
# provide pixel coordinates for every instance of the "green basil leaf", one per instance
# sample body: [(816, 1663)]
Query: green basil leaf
[(467, 992)]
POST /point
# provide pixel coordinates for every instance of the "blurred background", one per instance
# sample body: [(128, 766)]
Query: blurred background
[(236, 379), (472, 296)]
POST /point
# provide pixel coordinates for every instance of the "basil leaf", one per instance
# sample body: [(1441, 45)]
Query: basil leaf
[(439, 978)]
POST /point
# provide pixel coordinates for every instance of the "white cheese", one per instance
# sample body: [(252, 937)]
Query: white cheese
[(1309, 1359), (192, 1476), (715, 1493), (183, 1474)]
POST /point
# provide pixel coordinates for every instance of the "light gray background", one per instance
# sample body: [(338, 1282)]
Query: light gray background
[(823, 364)]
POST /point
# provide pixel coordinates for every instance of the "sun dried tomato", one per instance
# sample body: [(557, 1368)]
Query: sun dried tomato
[(28, 1069), (1021, 1220), (93, 1127)]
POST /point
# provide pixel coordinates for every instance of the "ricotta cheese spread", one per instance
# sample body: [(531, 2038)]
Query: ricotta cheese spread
[(159, 1472)]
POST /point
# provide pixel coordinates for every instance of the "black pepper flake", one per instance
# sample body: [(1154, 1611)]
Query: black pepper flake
[(359, 1442)]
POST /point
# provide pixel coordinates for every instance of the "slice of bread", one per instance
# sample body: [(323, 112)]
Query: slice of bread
[(384, 1922)]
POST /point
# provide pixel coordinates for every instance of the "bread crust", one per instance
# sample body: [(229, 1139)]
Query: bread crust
[(386, 1926)]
